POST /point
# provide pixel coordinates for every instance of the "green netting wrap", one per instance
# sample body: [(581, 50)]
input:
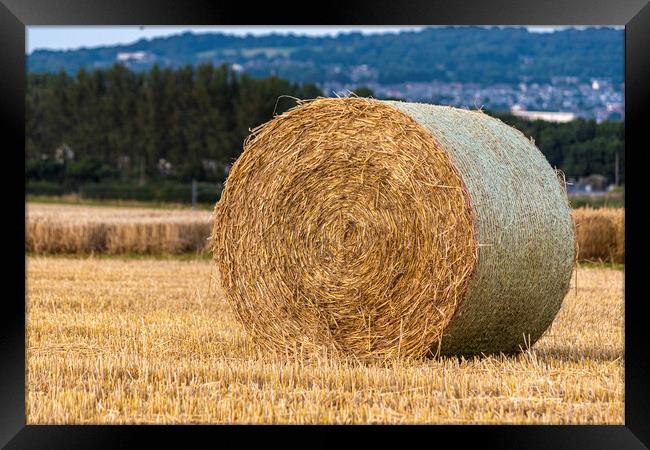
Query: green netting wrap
[(525, 235)]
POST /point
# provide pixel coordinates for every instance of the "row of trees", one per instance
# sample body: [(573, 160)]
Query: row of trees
[(190, 123), (579, 148), (182, 124)]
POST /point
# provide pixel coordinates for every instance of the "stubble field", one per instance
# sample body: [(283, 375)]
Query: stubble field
[(151, 341)]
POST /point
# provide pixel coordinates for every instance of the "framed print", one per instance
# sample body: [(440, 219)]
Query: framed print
[(376, 215)]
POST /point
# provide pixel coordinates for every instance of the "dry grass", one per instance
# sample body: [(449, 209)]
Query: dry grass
[(114, 341), (57, 228), (86, 229), (600, 234)]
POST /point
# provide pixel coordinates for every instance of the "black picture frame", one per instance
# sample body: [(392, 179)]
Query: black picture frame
[(15, 15)]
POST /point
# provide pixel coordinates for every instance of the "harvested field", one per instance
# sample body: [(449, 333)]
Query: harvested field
[(600, 234), (88, 229), (149, 341)]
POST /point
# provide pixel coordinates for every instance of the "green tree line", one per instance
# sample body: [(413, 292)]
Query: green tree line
[(181, 124), (579, 148), (455, 54), (188, 123)]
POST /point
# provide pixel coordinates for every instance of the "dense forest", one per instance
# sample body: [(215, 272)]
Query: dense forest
[(180, 124), (174, 125), (484, 55)]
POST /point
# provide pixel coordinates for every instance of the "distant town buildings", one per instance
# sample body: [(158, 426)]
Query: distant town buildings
[(134, 56), (561, 100), (549, 116), (594, 184)]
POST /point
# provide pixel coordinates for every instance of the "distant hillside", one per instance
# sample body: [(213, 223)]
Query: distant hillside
[(452, 54)]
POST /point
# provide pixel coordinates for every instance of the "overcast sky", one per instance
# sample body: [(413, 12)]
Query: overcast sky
[(72, 37)]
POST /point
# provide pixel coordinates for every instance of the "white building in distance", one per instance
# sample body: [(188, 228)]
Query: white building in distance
[(132, 56), (549, 116)]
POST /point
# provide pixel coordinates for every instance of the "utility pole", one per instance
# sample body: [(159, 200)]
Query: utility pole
[(194, 193), (616, 170)]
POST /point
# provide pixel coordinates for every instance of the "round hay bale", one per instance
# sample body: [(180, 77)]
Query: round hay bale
[(387, 229)]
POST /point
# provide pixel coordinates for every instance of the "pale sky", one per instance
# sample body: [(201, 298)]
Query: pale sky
[(72, 37)]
